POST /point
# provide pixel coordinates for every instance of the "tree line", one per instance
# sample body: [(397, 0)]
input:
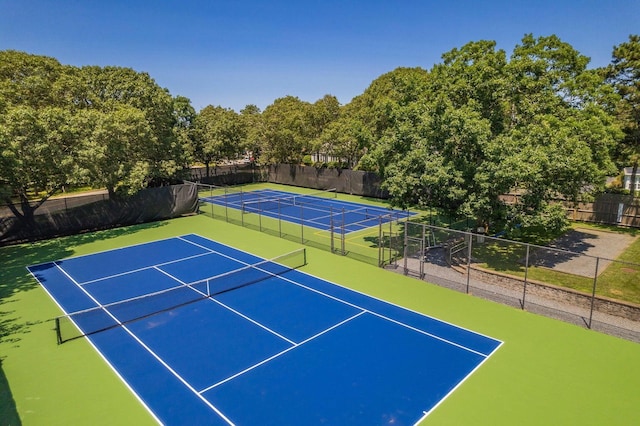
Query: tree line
[(473, 127)]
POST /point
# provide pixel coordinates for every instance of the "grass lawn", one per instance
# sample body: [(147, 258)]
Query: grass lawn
[(546, 372)]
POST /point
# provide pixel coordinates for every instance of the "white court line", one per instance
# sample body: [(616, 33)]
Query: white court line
[(138, 397), (148, 349), (229, 308), (281, 353), (103, 251), (357, 306), (314, 222), (311, 289), (464, 379), (145, 268)]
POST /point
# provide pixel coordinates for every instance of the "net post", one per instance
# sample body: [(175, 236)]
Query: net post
[(259, 217), (304, 254), (58, 332), (242, 207)]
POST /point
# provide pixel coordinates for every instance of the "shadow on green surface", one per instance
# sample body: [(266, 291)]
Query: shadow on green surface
[(15, 278), (7, 404)]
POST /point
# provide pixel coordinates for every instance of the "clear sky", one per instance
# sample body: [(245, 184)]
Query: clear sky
[(234, 53)]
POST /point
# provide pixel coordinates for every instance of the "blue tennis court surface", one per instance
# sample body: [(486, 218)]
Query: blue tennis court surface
[(320, 211), (288, 349)]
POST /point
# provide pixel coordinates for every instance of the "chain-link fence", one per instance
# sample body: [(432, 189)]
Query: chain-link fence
[(372, 243), (591, 291)]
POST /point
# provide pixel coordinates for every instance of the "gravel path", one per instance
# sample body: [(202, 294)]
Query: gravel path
[(584, 246)]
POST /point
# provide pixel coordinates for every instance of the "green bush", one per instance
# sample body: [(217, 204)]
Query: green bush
[(307, 161)]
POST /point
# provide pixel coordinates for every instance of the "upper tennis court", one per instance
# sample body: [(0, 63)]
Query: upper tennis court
[(321, 210)]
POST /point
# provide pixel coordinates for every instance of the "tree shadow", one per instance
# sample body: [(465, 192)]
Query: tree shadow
[(570, 246), (15, 278), (7, 403)]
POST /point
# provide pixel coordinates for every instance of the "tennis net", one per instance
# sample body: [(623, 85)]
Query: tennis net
[(108, 316), (275, 203)]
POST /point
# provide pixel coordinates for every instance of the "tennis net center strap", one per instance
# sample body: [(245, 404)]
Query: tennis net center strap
[(108, 316)]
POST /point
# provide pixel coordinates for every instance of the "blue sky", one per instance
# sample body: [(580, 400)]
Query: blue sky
[(234, 53)]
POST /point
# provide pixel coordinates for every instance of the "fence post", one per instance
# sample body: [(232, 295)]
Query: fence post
[(301, 224), (380, 252), (469, 260), (593, 294), (344, 253), (404, 254), (395, 261), (526, 272)]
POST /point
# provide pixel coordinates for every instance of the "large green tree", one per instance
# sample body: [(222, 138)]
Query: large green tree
[(109, 89), (219, 133), (286, 131), (252, 124), (60, 124), (37, 156), (38, 137), (479, 125)]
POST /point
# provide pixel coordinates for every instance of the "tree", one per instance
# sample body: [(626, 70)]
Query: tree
[(38, 137), (624, 75), (286, 131), (322, 113), (113, 154), (344, 138), (477, 126), (251, 120), (218, 135), (184, 129), (37, 158), (63, 125), (111, 88)]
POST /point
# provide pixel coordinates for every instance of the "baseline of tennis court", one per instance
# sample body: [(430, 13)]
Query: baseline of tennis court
[(320, 210), (281, 347)]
